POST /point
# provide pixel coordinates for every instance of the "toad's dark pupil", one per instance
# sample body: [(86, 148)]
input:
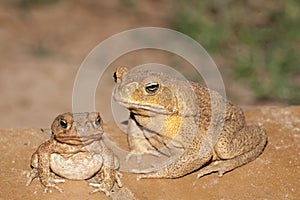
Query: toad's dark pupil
[(115, 77), (63, 123), (152, 88), (97, 122)]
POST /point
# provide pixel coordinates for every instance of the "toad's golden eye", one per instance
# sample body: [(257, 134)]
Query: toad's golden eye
[(152, 88), (63, 123)]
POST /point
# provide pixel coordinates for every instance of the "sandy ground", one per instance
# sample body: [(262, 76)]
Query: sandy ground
[(274, 175)]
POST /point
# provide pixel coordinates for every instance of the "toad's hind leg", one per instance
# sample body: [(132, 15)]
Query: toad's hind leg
[(237, 149), (186, 163)]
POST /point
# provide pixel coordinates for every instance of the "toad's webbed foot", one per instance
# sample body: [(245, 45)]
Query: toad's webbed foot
[(106, 184), (48, 183), (51, 182)]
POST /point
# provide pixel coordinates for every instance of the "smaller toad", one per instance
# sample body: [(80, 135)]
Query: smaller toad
[(76, 151)]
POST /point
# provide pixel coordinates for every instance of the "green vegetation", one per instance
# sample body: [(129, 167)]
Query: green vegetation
[(260, 40), (128, 4), (40, 50)]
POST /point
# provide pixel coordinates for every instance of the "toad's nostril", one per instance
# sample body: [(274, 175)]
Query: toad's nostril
[(81, 129), (130, 89)]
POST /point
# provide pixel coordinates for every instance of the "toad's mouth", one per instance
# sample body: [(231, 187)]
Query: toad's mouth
[(78, 139), (141, 108)]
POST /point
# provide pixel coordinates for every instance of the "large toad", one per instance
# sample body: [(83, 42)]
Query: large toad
[(170, 115), (76, 151)]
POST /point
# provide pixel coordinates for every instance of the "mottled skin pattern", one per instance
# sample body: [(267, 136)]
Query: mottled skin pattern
[(171, 115), (76, 151)]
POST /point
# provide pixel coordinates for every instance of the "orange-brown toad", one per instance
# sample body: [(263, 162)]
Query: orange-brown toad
[(192, 125), (76, 151)]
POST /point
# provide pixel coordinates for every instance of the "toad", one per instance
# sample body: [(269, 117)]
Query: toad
[(185, 122), (76, 151)]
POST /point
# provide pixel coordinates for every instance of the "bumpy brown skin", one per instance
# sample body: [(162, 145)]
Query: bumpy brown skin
[(184, 116), (76, 151)]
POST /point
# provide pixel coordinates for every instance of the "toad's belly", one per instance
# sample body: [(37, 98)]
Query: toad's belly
[(79, 166)]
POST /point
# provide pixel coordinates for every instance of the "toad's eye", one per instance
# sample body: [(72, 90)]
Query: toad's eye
[(63, 123), (98, 121), (115, 77), (152, 88)]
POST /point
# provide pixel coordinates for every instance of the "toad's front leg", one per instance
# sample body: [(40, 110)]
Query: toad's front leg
[(105, 180), (108, 177), (40, 163), (138, 143)]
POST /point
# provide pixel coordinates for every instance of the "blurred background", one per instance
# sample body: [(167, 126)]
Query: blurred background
[(255, 45)]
